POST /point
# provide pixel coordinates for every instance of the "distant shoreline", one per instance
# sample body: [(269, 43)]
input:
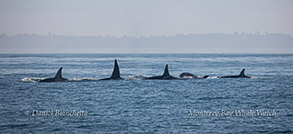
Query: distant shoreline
[(180, 43), (161, 51)]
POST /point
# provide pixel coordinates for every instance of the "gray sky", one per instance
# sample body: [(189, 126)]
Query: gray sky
[(145, 17)]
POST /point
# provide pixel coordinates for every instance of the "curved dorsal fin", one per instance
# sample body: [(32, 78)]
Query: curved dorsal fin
[(59, 73), (116, 72), (166, 72), (242, 72)]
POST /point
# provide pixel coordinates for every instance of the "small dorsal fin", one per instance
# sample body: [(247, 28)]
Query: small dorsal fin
[(206, 76), (59, 73), (166, 72), (242, 72), (116, 72)]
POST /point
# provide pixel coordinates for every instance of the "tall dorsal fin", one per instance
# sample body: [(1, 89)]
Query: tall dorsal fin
[(242, 72), (59, 73), (166, 72), (116, 72)]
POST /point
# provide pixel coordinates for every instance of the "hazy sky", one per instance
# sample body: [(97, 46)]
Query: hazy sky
[(145, 17)]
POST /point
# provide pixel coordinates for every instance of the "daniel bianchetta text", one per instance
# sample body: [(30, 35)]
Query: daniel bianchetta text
[(232, 113), (56, 113)]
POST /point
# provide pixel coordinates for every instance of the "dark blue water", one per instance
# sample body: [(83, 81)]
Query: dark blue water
[(146, 106)]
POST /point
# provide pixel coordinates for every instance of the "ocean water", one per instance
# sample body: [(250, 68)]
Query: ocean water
[(262, 104)]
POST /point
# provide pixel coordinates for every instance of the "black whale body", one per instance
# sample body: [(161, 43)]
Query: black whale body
[(241, 75), (190, 75), (165, 76), (115, 74), (58, 77)]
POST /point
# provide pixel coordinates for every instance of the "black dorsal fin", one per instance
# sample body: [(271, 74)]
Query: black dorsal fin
[(242, 72), (166, 72), (59, 73), (116, 72)]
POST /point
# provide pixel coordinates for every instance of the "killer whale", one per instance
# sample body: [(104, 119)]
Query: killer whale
[(165, 76), (115, 74), (193, 76), (241, 75), (58, 77), (186, 74)]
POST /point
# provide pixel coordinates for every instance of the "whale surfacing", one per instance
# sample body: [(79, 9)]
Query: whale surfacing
[(58, 77), (241, 75), (115, 74), (188, 75), (166, 76)]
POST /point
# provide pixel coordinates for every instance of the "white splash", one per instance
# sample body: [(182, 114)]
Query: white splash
[(35, 79), (84, 79), (138, 77), (213, 77)]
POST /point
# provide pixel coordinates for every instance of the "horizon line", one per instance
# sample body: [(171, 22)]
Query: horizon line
[(140, 51), (147, 36)]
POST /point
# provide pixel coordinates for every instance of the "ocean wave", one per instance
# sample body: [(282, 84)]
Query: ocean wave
[(138, 77), (83, 79), (188, 77), (255, 78), (213, 77), (34, 79)]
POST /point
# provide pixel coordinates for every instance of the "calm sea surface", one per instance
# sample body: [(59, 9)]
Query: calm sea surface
[(263, 104)]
